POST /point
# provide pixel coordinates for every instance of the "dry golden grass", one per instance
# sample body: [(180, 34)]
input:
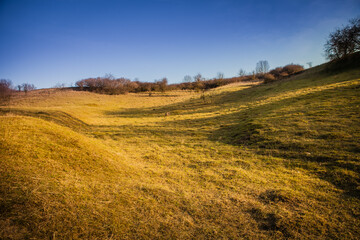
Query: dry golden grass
[(244, 161)]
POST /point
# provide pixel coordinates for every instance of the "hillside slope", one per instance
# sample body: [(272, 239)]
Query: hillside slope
[(277, 161)]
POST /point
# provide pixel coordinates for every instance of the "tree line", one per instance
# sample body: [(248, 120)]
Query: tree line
[(111, 85)]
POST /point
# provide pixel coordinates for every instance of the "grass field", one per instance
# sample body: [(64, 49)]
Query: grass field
[(245, 161)]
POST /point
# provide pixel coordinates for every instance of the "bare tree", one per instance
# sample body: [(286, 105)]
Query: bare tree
[(220, 75), (109, 76), (253, 77), (343, 41), (163, 84), (262, 67), (5, 91), (187, 78), (199, 84), (28, 87), (242, 73), (309, 64), (198, 77)]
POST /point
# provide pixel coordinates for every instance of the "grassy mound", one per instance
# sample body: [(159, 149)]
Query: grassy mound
[(51, 177)]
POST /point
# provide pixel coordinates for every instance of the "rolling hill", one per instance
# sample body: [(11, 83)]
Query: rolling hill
[(254, 161)]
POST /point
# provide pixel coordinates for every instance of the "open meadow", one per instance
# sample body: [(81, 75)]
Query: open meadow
[(244, 161)]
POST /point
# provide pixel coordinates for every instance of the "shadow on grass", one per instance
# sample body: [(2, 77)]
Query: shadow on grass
[(58, 117), (154, 95), (220, 101), (210, 103), (245, 127), (337, 158), (248, 127), (335, 161)]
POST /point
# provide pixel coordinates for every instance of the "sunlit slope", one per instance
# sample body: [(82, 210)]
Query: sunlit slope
[(51, 177), (311, 120), (277, 161)]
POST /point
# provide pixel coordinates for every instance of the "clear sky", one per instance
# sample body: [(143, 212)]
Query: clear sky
[(46, 42)]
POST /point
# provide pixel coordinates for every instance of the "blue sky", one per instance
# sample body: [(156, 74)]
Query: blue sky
[(46, 42)]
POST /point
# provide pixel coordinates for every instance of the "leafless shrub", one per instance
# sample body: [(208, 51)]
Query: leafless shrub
[(282, 72), (199, 84), (26, 87), (268, 77), (277, 72), (111, 85), (162, 84), (293, 68), (5, 91)]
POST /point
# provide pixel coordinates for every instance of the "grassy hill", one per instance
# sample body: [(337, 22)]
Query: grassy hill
[(253, 161)]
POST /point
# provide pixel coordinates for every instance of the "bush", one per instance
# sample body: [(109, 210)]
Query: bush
[(107, 85), (268, 77), (162, 84), (277, 72), (110, 85), (293, 68), (5, 91), (282, 72)]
